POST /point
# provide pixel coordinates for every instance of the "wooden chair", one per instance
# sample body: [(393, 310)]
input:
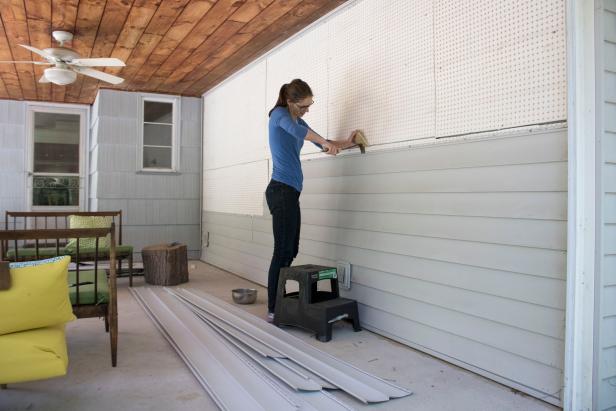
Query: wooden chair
[(93, 293), (59, 219)]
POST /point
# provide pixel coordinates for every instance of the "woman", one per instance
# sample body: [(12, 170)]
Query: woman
[(287, 132)]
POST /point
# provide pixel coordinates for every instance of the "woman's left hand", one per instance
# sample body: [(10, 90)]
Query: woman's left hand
[(351, 137)]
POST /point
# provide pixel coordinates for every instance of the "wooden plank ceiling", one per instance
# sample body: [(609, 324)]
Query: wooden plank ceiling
[(180, 47)]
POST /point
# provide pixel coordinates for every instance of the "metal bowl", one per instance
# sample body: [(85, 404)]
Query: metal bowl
[(244, 295)]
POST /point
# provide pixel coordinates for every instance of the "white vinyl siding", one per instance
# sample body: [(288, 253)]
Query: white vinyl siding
[(158, 207), (606, 280)]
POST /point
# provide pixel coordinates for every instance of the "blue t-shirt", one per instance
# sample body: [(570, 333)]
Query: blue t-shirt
[(286, 139)]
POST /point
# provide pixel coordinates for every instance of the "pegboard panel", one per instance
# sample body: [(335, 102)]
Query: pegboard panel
[(236, 189), (381, 75), (499, 64), (235, 121), (305, 58)]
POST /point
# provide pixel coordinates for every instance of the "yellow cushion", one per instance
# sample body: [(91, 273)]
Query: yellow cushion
[(33, 355), (85, 221), (38, 296)]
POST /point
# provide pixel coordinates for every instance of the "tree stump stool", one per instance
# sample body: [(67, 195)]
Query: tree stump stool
[(165, 264)]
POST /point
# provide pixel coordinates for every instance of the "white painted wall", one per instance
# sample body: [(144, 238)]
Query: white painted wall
[(457, 237)]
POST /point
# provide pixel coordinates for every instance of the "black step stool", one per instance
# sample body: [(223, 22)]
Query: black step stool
[(309, 308)]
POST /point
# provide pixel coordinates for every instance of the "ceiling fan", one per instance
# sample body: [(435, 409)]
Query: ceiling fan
[(68, 63)]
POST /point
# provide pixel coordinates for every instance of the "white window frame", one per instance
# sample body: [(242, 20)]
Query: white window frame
[(175, 134)]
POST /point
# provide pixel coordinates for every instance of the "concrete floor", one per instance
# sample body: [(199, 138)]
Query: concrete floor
[(150, 375)]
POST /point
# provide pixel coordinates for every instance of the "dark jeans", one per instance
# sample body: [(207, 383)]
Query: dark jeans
[(283, 203)]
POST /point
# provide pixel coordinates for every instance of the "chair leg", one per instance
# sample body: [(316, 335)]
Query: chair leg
[(130, 270), (106, 322), (113, 335)]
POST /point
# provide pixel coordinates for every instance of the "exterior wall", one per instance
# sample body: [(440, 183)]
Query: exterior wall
[(454, 222), (456, 249), (157, 207), (606, 159), (12, 156)]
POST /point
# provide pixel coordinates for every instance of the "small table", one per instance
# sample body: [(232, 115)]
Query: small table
[(165, 264)]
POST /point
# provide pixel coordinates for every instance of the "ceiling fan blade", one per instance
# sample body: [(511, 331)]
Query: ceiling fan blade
[(39, 52), (41, 63), (109, 78), (98, 62), (43, 79)]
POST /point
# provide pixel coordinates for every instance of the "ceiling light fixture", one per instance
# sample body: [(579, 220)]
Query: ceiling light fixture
[(60, 76)]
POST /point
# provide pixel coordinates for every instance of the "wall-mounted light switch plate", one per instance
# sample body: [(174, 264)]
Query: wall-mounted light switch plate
[(344, 274)]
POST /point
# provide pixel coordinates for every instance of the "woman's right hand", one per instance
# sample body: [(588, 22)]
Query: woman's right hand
[(329, 148)]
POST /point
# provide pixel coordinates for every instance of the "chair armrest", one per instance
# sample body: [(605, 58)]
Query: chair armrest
[(5, 276)]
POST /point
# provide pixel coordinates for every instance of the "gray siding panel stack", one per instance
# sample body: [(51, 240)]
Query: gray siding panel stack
[(157, 207), (457, 249), (606, 321), (12, 157)]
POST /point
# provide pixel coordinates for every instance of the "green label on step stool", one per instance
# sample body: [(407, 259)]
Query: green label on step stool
[(327, 274)]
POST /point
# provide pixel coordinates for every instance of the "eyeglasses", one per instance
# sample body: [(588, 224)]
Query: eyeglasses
[(303, 107)]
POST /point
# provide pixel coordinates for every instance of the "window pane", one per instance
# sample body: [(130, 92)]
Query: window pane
[(56, 143), (157, 135), (55, 191), (155, 112), (156, 157)]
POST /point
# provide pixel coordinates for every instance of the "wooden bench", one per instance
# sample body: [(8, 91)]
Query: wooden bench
[(60, 220), (93, 293)]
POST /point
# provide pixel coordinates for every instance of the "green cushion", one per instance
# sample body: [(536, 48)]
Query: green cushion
[(44, 252), (81, 221), (86, 291)]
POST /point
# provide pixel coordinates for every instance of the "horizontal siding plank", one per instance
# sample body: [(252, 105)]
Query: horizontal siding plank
[(232, 232), (609, 238), (609, 270), (522, 178), (609, 208), (608, 297), (525, 149), (246, 247), (608, 332), (609, 177), (609, 24), (246, 259), (255, 274), (514, 205), (532, 261), (231, 220), (488, 333), (609, 58), (609, 146), (537, 290), (451, 347), (609, 88), (549, 234), (609, 117), (608, 367), (607, 393), (542, 325)]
